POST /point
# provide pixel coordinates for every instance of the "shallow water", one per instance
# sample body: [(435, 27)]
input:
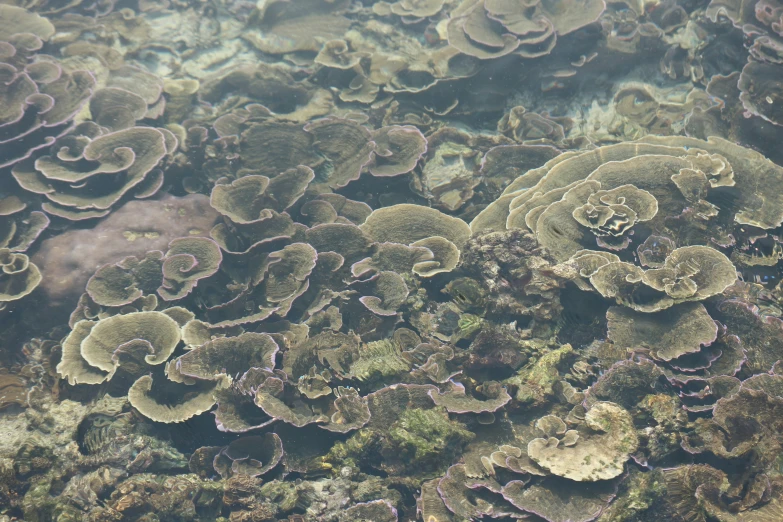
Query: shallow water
[(424, 260)]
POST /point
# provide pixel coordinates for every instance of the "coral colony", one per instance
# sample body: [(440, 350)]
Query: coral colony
[(422, 260)]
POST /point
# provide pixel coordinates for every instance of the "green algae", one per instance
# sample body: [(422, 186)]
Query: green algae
[(535, 382), (420, 441), (427, 437)]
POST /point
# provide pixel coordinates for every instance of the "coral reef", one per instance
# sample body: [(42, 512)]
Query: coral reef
[(375, 260)]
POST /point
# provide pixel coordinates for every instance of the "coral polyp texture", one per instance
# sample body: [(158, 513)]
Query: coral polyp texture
[(375, 260)]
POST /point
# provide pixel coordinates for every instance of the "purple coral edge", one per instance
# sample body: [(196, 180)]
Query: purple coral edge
[(262, 242), (355, 270), (153, 164), (627, 362), (271, 357), (345, 428), (433, 362), (592, 516), (448, 505), (115, 355), (37, 46), (314, 419), (711, 357), (414, 161), (49, 140), (39, 232), (483, 163), (224, 452), (253, 318), (374, 275), (755, 310), (222, 427), (392, 509), (93, 296), (40, 167), (278, 256), (53, 209), (685, 445), (219, 423), (597, 17), (702, 344), (368, 302), (265, 213), (26, 104), (397, 386), (193, 264), (459, 388), (228, 119), (770, 373), (103, 92), (460, 21), (741, 362), (153, 189), (107, 8), (10, 50), (370, 153), (696, 380), (485, 43), (139, 176), (376, 247), (360, 169), (441, 494), (189, 285), (159, 84)]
